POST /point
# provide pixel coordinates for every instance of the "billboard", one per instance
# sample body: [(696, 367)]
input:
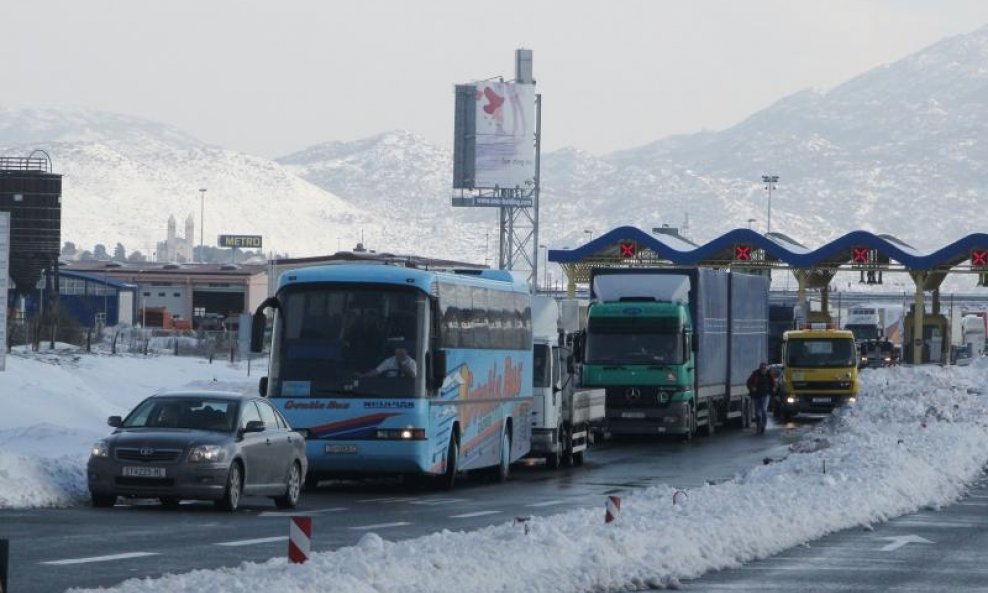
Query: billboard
[(4, 272), (241, 241), (494, 138)]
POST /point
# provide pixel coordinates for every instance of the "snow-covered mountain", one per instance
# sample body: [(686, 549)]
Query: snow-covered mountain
[(896, 150), (124, 176)]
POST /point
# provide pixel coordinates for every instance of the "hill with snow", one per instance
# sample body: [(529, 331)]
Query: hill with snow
[(895, 150)]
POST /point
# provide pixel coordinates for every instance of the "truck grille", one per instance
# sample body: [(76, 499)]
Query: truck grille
[(637, 397), (820, 385)]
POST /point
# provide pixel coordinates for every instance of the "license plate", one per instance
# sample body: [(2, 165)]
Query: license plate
[(632, 414), (144, 472), (340, 449), (821, 400)]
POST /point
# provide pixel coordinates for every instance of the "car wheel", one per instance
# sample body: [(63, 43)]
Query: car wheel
[(293, 488), (452, 464), (103, 500), (234, 488), (170, 502)]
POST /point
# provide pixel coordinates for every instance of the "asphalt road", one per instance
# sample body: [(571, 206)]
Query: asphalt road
[(927, 552), (51, 550)]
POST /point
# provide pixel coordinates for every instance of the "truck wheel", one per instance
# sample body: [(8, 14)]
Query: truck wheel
[(566, 444), (746, 410), (552, 461), (711, 420), (690, 425), (578, 457)]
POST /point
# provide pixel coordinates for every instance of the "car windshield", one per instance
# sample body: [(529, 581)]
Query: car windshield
[(184, 412)]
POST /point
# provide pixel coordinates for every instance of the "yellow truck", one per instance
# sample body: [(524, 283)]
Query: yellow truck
[(819, 372)]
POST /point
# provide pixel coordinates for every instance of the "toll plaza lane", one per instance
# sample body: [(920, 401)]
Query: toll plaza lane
[(931, 551), (51, 550)]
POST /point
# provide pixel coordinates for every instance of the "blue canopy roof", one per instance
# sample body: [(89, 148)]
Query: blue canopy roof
[(778, 248)]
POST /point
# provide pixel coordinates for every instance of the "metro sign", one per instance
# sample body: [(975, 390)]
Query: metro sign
[(628, 249), (742, 252), (859, 255), (979, 257)]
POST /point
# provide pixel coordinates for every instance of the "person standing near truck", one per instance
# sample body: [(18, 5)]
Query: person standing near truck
[(761, 386)]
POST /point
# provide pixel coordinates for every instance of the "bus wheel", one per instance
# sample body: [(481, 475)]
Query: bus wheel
[(452, 464), (504, 467)]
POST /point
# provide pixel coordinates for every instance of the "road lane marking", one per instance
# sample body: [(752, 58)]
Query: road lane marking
[(439, 501), (251, 542), (379, 526), (547, 503), (898, 541), (100, 558), (477, 514), (391, 499), (300, 513)]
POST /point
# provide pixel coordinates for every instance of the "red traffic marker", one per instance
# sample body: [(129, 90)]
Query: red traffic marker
[(299, 539), (612, 508)]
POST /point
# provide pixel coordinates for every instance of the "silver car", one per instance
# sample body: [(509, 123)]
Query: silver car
[(204, 445)]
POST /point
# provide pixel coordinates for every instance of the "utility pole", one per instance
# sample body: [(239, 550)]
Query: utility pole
[(769, 181)]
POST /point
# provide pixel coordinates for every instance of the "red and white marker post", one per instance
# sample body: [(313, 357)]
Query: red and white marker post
[(299, 539), (612, 508)]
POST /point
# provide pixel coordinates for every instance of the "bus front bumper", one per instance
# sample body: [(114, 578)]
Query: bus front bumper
[(368, 457)]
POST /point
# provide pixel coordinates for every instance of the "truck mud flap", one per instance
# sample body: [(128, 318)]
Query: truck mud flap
[(580, 441)]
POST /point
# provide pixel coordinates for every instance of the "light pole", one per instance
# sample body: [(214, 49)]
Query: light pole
[(769, 181), (202, 223)]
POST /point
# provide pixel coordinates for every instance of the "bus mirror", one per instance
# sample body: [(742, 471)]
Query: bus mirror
[(257, 331), (262, 386), (438, 368)]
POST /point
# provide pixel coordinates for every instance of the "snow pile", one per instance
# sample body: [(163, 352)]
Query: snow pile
[(55, 404), (916, 439)]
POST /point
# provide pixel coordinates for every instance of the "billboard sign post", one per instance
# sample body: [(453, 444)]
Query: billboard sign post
[(240, 241)]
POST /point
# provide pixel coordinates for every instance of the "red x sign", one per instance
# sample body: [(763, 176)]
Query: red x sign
[(627, 249), (742, 252), (979, 257), (860, 255)]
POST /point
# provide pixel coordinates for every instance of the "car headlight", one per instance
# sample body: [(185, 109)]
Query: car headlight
[(207, 454), (100, 449)]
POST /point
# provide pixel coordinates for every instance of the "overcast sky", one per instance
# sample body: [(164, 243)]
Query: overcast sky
[(274, 77)]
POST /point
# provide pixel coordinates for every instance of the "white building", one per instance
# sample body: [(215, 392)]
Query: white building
[(177, 249)]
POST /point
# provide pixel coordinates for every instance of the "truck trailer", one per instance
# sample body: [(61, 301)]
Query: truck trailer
[(673, 347)]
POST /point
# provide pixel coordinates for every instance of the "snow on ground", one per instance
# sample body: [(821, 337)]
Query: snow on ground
[(916, 439), (55, 404)]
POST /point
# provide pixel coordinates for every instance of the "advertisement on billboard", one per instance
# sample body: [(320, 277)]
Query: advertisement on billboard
[(494, 138), (505, 127), (240, 241), (4, 273)]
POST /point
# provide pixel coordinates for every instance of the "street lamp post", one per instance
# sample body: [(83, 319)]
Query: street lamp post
[(588, 232), (202, 223), (751, 220), (769, 181)]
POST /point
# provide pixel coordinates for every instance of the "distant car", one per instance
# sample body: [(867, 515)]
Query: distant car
[(202, 445)]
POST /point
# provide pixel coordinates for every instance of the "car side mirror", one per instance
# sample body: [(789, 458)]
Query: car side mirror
[(254, 426), (115, 421), (262, 386)]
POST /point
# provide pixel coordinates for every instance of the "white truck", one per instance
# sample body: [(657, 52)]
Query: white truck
[(563, 409)]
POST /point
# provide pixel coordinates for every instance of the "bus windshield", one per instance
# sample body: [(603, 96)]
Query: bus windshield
[(634, 340), (350, 341), (821, 353)]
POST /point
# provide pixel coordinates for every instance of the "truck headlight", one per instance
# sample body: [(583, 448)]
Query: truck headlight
[(207, 454), (100, 449), (790, 400)]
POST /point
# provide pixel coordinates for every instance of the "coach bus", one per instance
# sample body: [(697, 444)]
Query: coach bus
[(393, 370)]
